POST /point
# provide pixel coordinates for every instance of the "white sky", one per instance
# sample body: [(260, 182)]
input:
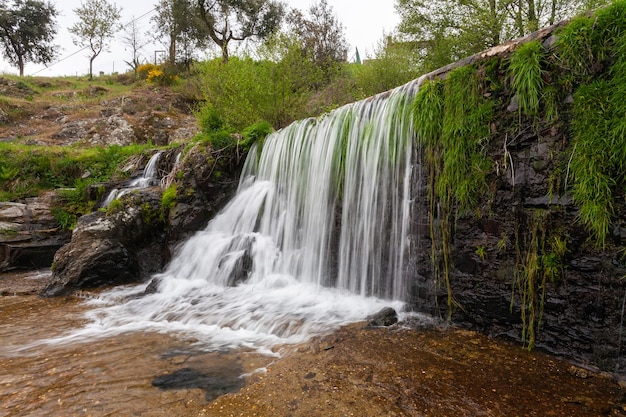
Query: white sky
[(365, 23)]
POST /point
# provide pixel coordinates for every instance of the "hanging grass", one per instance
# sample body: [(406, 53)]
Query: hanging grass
[(598, 162), (452, 119), (526, 77), (428, 113), (465, 134)]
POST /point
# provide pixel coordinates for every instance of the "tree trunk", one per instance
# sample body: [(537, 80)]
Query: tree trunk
[(20, 64), (172, 49), (533, 22), (91, 67), (225, 52)]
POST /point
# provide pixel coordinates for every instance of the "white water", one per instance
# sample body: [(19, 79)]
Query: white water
[(147, 179), (314, 238)]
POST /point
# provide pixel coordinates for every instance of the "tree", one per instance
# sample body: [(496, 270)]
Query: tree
[(135, 42), (27, 30), (97, 25), (321, 33), (178, 21), (443, 31), (237, 20)]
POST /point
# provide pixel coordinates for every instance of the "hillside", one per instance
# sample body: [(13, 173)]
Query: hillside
[(107, 111)]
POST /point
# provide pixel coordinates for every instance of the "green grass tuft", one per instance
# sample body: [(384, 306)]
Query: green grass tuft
[(526, 77)]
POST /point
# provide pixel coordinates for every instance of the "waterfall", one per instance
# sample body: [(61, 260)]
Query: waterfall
[(147, 179), (314, 238)]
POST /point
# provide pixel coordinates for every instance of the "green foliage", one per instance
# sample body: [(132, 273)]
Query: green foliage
[(168, 200), (28, 29), (481, 251), (98, 22), (218, 139), (586, 45), (256, 133), (234, 20), (465, 133), (537, 265), (451, 121), (597, 162), (526, 77), (428, 113), (27, 170), (594, 49), (65, 219), (209, 119), (236, 93), (444, 31), (393, 63), (114, 207)]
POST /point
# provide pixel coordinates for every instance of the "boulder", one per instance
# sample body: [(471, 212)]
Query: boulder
[(29, 233), (111, 249)]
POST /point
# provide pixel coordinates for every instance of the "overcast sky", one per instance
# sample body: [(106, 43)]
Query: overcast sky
[(365, 22)]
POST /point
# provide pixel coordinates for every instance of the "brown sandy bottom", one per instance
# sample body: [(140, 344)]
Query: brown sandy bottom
[(434, 371), (356, 371)]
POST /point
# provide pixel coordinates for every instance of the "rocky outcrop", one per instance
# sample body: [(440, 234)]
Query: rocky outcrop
[(29, 233), (113, 249), (135, 239)]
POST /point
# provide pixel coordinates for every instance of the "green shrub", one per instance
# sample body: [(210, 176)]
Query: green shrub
[(256, 133), (65, 219), (209, 119)]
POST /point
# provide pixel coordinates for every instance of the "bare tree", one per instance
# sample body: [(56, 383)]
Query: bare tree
[(134, 40), (96, 27)]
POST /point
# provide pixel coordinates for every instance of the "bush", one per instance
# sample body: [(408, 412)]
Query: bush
[(255, 133)]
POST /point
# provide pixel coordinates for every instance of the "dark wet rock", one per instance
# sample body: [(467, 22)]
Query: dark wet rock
[(582, 317), (105, 250), (238, 261), (385, 317), (153, 286)]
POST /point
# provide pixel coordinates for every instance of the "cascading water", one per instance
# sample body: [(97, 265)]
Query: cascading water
[(314, 238), (148, 178)]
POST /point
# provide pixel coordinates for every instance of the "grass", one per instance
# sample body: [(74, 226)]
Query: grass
[(28, 170), (539, 262), (526, 77), (594, 48)]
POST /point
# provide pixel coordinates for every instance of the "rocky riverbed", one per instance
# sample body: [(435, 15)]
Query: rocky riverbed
[(418, 368)]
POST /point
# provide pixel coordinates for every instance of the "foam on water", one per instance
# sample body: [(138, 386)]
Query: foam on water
[(314, 238)]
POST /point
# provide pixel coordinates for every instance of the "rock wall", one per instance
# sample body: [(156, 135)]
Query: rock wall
[(579, 312), (583, 314)]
